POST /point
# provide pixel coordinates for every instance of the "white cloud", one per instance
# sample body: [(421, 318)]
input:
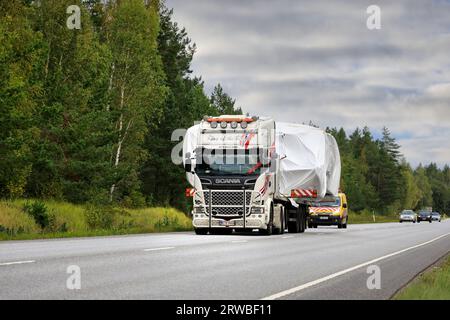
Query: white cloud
[(316, 60), (440, 90)]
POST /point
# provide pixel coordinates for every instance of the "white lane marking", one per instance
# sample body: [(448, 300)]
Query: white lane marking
[(337, 274), (159, 249), (238, 241), (16, 262), (287, 237)]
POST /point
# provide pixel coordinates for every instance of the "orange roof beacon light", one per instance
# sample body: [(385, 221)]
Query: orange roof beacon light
[(233, 120)]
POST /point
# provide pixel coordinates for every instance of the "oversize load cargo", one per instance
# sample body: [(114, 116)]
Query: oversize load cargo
[(309, 159)]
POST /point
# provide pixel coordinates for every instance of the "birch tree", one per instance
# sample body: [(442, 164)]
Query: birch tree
[(137, 89)]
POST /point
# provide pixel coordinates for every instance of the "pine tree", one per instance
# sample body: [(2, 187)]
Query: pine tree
[(389, 144), (223, 102), (71, 157), (21, 57)]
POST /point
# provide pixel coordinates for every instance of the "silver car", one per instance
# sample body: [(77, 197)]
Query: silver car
[(408, 215), (436, 216)]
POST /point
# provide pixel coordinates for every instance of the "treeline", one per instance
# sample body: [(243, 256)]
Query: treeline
[(87, 114), (375, 176)]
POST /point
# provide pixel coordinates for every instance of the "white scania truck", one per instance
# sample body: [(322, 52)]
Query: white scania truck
[(252, 173)]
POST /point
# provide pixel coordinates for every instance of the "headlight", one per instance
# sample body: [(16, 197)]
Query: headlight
[(199, 210), (243, 124), (257, 210), (223, 124), (234, 125), (214, 124)]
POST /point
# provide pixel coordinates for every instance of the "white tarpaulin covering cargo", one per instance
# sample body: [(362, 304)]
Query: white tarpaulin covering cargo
[(310, 159)]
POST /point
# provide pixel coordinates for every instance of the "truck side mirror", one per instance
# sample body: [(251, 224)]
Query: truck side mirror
[(344, 206)]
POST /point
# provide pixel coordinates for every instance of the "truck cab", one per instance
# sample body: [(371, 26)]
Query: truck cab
[(329, 211), (231, 163)]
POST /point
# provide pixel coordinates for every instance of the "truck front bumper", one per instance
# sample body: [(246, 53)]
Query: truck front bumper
[(253, 221), (325, 220)]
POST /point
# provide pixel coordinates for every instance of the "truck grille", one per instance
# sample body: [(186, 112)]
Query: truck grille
[(228, 198), (225, 203)]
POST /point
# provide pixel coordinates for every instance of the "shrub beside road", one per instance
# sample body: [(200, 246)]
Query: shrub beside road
[(35, 219)]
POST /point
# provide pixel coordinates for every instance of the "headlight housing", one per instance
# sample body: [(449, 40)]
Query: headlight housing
[(199, 210), (257, 210)]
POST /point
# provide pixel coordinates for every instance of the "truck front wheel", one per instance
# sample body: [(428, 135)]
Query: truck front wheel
[(270, 228), (280, 230)]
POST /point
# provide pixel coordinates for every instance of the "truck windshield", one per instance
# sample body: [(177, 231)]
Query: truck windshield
[(229, 162), (335, 203)]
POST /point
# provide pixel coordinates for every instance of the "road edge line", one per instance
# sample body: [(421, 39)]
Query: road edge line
[(159, 249), (16, 262), (342, 272)]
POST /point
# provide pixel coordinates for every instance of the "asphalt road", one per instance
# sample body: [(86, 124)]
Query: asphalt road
[(323, 263)]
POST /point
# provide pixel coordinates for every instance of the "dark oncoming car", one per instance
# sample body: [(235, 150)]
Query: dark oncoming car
[(424, 216)]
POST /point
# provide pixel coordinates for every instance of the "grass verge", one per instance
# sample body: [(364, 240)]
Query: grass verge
[(433, 284), (368, 217), (35, 219)]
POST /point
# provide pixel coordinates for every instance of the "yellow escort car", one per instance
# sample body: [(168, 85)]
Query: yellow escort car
[(330, 211)]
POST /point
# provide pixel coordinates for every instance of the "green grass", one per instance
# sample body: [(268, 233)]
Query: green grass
[(367, 217), (69, 220), (434, 284)]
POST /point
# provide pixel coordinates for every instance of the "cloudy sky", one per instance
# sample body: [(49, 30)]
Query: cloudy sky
[(317, 60)]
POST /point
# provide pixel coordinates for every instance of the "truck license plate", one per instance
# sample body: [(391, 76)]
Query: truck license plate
[(324, 218), (227, 223)]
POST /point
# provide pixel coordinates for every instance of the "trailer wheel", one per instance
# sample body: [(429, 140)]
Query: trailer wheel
[(302, 219), (298, 226), (294, 226), (283, 220)]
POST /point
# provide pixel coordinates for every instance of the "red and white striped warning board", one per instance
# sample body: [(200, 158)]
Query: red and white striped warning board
[(189, 192), (303, 193), (324, 209)]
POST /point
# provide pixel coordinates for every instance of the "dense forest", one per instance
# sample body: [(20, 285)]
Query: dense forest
[(376, 177), (87, 114)]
